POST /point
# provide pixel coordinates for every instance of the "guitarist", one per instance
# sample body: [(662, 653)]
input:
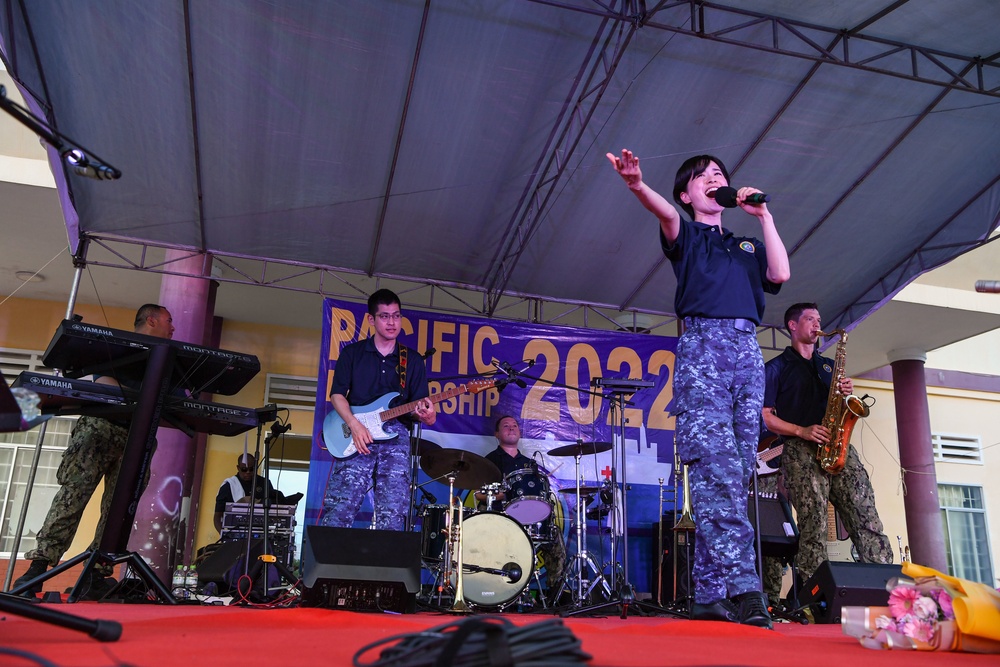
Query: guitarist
[(795, 398), (365, 371)]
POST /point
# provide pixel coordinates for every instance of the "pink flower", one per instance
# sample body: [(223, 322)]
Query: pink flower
[(925, 608), (901, 600), (918, 629), (944, 601), (886, 623)]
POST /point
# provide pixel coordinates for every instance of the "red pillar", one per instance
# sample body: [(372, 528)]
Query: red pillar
[(916, 457), (160, 530)]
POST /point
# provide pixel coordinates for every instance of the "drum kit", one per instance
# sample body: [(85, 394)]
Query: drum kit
[(485, 559)]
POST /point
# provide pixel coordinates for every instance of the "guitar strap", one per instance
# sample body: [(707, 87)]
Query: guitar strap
[(401, 368)]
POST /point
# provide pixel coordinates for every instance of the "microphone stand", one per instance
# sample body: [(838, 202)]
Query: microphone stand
[(623, 596), (265, 560), (74, 155)]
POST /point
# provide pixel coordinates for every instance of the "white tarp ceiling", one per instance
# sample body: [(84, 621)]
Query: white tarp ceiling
[(463, 141)]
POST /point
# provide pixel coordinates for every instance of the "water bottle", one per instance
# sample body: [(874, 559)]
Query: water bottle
[(178, 581), (191, 581), (28, 401)]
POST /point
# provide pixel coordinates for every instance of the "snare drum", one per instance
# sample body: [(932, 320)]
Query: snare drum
[(494, 541), (527, 496)]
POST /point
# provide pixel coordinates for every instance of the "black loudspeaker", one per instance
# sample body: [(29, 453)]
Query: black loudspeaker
[(779, 536), (662, 585), (837, 585), (360, 570)]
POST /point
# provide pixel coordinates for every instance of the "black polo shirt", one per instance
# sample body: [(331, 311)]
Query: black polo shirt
[(797, 388), (363, 375), (507, 463), (719, 276)]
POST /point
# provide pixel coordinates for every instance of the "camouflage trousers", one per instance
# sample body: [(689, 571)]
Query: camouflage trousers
[(850, 492), (386, 470), (718, 396), (95, 451)]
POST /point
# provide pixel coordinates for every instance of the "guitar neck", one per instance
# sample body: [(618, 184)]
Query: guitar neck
[(831, 523), (407, 408)]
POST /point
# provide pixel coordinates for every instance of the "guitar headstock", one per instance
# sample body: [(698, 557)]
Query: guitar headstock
[(476, 386)]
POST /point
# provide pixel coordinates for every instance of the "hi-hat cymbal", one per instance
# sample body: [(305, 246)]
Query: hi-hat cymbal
[(471, 471), (423, 446), (584, 490), (580, 449)]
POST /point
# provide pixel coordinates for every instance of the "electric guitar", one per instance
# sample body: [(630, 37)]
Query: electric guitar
[(337, 434)]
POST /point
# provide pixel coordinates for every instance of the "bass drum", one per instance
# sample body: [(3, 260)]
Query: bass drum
[(497, 542)]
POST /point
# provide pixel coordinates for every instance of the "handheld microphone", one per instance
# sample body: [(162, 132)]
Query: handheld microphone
[(726, 196), (429, 353)]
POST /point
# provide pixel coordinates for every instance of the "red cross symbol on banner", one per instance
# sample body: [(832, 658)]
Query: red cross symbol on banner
[(606, 472)]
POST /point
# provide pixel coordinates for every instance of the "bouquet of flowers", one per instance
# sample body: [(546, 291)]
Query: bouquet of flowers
[(916, 610), (931, 612)]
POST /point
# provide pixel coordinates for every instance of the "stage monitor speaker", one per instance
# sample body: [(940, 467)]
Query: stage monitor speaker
[(360, 569), (838, 585), (779, 536)]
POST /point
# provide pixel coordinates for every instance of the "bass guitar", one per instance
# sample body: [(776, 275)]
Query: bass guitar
[(337, 434), (763, 457)]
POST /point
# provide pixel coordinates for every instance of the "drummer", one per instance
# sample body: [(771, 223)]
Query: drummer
[(508, 458)]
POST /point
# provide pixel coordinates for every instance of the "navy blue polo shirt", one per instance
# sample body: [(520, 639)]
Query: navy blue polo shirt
[(507, 463), (363, 375), (797, 388), (718, 276)]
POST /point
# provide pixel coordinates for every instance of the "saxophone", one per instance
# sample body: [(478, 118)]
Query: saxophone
[(841, 413)]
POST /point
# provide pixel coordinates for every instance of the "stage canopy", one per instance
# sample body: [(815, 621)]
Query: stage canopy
[(462, 142)]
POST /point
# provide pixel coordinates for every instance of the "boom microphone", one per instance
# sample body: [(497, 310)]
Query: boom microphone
[(79, 163), (726, 196), (988, 286)]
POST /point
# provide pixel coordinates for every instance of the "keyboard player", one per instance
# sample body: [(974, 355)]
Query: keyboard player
[(95, 452), (237, 489)]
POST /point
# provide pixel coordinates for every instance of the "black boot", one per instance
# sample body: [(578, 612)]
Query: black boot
[(753, 609), (36, 569), (722, 610), (96, 586)]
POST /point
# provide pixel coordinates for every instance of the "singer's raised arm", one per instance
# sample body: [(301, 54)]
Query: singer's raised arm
[(627, 167)]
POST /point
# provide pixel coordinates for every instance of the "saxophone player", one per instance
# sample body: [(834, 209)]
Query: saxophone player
[(797, 388)]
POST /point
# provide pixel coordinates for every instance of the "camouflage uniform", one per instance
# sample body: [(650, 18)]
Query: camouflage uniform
[(95, 451), (387, 468), (718, 396), (850, 491)]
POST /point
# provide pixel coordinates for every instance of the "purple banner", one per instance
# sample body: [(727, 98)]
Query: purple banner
[(556, 406)]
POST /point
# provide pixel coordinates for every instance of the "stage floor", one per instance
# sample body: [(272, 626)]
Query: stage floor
[(154, 634)]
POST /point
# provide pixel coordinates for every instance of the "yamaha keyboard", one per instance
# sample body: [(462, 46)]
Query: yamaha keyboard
[(68, 396), (80, 348)]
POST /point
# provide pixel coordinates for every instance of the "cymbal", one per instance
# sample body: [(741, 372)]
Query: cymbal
[(580, 449), (423, 446), (472, 471), (584, 490)]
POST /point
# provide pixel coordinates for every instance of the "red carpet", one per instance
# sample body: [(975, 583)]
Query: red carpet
[(190, 635)]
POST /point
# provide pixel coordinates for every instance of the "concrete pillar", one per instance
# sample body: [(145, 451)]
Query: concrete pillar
[(160, 529), (916, 457)]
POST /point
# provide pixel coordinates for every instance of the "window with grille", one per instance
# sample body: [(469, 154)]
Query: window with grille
[(17, 450), (967, 542), (951, 448), (290, 391)]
